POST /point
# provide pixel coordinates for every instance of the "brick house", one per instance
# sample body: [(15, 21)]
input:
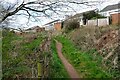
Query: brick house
[(53, 25), (115, 18), (58, 26), (112, 12), (35, 29)]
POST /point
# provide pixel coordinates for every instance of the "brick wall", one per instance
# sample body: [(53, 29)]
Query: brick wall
[(116, 18), (57, 26)]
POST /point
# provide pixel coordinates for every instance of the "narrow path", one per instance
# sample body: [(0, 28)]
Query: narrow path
[(70, 69)]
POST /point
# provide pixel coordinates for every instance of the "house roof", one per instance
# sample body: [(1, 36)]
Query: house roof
[(32, 28), (52, 22), (111, 7), (80, 14)]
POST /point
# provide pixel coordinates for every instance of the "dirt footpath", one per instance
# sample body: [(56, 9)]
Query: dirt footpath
[(70, 69)]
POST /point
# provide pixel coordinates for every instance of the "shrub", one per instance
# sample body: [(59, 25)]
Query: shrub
[(70, 25)]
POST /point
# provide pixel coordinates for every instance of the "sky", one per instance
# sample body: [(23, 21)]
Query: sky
[(22, 20)]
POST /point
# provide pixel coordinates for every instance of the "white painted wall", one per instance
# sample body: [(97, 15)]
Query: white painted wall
[(49, 27), (103, 22), (98, 22), (92, 23), (81, 20)]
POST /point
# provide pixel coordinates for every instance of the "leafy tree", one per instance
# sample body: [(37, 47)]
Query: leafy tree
[(92, 15)]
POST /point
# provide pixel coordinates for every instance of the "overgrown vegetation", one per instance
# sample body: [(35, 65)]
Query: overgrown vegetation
[(86, 63), (85, 38), (17, 54), (71, 25), (20, 57), (103, 39), (20, 53), (57, 69), (0, 53)]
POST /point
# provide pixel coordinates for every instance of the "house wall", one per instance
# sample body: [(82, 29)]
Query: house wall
[(103, 22), (115, 18), (92, 23), (49, 27), (57, 26)]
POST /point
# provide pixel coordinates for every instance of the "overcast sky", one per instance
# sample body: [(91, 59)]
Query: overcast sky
[(22, 20)]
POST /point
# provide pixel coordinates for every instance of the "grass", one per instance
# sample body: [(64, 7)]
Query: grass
[(15, 52), (10, 64), (30, 47), (85, 38), (0, 53), (18, 49), (83, 62), (56, 66)]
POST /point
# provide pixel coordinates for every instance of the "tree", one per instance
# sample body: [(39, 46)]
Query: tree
[(35, 10), (38, 8), (71, 25), (92, 15)]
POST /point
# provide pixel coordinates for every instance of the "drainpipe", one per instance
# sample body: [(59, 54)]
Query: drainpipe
[(97, 22), (107, 20), (97, 10), (97, 18)]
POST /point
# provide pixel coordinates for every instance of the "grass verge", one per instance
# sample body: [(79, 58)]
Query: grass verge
[(56, 66), (83, 62)]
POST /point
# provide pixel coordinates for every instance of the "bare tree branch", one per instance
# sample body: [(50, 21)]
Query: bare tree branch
[(13, 12), (41, 7)]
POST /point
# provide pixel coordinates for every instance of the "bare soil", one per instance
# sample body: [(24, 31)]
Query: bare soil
[(70, 69)]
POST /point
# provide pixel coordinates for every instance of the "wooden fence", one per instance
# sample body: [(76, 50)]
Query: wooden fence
[(40, 68)]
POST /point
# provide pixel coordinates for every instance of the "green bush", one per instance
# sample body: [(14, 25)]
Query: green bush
[(70, 25), (92, 15)]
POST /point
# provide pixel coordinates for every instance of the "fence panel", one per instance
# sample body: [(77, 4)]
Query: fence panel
[(98, 22), (102, 22)]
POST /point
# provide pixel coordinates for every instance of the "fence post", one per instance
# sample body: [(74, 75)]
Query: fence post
[(97, 22), (39, 66)]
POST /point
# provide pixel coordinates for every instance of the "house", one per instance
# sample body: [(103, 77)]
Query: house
[(50, 25), (102, 20), (112, 12), (35, 29), (58, 25), (79, 17), (54, 25)]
